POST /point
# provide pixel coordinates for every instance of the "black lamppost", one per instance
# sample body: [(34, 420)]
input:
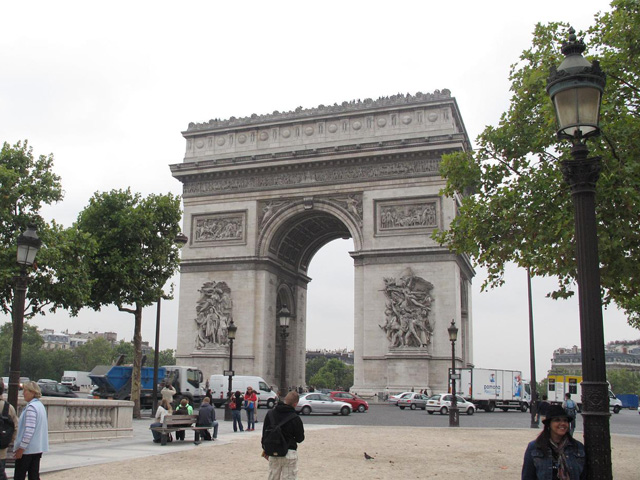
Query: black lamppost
[(532, 361), (284, 317), (576, 89), (231, 335), (454, 413), (28, 245), (180, 240)]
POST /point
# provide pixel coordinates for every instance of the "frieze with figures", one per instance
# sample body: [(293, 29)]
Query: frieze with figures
[(222, 227), (214, 312), (407, 311), (308, 176), (407, 215)]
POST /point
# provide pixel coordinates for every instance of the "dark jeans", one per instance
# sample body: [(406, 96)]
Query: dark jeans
[(156, 435), (28, 465), (206, 434), (3, 475), (237, 420)]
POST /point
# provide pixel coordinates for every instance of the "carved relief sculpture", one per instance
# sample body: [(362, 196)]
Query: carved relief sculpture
[(408, 216), (407, 310), (353, 204), (214, 311), (219, 227)]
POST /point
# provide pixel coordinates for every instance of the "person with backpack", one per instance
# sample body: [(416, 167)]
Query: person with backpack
[(8, 429), (570, 406), (183, 409), (282, 431), (32, 439)]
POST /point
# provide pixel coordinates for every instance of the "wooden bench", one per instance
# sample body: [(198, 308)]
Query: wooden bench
[(175, 423)]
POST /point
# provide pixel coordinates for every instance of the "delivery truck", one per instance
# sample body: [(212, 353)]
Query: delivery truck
[(489, 389), (76, 380), (558, 385), (114, 382)]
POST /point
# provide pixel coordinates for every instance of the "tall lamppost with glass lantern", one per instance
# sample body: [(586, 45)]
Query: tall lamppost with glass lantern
[(28, 246), (454, 413), (576, 89)]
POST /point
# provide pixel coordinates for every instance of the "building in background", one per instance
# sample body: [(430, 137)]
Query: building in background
[(619, 355)]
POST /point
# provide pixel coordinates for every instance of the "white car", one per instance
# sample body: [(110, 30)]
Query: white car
[(393, 399), (442, 402), (320, 403)]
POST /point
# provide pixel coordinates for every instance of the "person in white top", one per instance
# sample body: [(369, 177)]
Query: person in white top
[(163, 409)]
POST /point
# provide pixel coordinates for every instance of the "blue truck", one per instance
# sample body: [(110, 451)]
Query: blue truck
[(114, 382)]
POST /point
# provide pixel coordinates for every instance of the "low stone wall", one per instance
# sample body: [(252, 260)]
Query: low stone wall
[(77, 419)]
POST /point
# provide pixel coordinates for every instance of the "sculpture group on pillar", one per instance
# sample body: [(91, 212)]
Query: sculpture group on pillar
[(407, 310), (214, 311)]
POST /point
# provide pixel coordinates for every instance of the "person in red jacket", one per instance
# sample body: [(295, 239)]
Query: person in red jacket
[(250, 404)]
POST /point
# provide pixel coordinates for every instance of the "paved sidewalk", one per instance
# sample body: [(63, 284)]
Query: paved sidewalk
[(62, 456)]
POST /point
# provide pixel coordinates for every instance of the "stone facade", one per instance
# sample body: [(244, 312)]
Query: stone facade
[(263, 194)]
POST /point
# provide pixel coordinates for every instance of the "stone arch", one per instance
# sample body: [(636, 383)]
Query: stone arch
[(257, 210), (309, 224)]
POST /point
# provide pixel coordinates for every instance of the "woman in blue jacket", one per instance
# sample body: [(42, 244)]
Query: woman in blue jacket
[(33, 434), (555, 454)]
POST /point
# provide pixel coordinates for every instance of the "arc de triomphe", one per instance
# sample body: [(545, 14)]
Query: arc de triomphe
[(263, 194)]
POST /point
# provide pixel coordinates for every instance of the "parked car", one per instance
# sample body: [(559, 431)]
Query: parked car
[(413, 401), (393, 399), (357, 403), (442, 402), (320, 403), (57, 390)]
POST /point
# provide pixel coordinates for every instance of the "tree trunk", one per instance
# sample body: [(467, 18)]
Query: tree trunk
[(137, 362)]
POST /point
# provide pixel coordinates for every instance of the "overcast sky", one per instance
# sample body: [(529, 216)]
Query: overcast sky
[(108, 87)]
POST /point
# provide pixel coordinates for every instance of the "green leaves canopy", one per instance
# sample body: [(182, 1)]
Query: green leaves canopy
[(514, 204), (60, 278)]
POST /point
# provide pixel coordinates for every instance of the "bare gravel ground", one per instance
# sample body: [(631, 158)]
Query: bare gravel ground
[(405, 452)]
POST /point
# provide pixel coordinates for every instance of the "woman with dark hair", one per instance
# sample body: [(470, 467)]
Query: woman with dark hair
[(555, 454)]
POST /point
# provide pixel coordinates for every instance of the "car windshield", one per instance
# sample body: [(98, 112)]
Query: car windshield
[(435, 397)]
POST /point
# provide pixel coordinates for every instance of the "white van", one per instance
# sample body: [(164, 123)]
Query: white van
[(219, 384)]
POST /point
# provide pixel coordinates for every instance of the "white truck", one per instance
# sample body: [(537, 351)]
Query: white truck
[(76, 380), (219, 385), (558, 385), (187, 381), (489, 389)]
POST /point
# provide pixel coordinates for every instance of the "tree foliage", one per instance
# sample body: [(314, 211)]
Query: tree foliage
[(60, 279), (514, 204), (624, 381), (135, 256), (312, 367), (333, 374)]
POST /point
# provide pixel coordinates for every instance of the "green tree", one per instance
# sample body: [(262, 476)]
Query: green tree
[(624, 381), (312, 367), (98, 351), (135, 257), (514, 205), (31, 342), (334, 374), (126, 349), (60, 279), (167, 357)]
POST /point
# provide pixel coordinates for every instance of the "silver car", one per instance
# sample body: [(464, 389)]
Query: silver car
[(320, 403), (413, 401)]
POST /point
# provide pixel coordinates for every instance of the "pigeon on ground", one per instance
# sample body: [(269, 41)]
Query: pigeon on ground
[(367, 457)]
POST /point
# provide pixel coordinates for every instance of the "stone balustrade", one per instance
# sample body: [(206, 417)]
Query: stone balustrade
[(78, 419)]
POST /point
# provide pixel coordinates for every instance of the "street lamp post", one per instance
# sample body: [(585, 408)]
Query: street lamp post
[(231, 335), (180, 240), (28, 245), (532, 361), (454, 413), (284, 317), (576, 89)]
